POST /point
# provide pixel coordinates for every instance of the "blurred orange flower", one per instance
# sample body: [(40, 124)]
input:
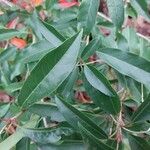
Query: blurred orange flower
[(36, 2)]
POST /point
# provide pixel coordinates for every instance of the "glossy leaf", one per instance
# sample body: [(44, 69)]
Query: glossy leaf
[(66, 145), (4, 109), (98, 81), (138, 143), (73, 116), (11, 141), (141, 7), (46, 30), (87, 14), (143, 112), (6, 54), (116, 11), (91, 48), (68, 84), (6, 34), (127, 64), (23, 144), (49, 70), (101, 91), (13, 87), (47, 110), (47, 135), (35, 51), (91, 140)]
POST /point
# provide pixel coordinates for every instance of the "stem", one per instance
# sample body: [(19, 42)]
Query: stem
[(117, 148), (114, 119), (44, 119), (142, 94), (108, 19), (6, 2), (92, 62), (1, 131), (136, 132)]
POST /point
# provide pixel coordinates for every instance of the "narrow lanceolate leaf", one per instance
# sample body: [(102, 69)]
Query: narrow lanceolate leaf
[(101, 91), (50, 72), (87, 14), (138, 143), (128, 64), (64, 145), (23, 144), (46, 30), (143, 112), (47, 135), (6, 34), (73, 116), (4, 109), (92, 141), (35, 51), (11, 141), (91, 48), (68, 84), (6, 54), (141, 7), (116, 11), (47, 110)]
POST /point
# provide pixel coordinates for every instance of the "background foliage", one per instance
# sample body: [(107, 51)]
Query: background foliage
[(74, 77)]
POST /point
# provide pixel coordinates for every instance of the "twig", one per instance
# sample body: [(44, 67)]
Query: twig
[(142, 94), (92, 62), (44, 118), (108, 19), (137, 132), (114, 119), (6, 2)]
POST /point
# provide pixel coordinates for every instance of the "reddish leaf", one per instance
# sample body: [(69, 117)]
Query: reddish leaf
[(12, 24), (4, 97), (66, 4), (18, 42)]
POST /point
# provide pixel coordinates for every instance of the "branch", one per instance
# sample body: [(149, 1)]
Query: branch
[(108, 19), (6, 2)]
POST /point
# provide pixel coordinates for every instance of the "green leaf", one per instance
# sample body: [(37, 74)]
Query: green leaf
[(98, 81), (66, 145), (73, 116), (138, 143), (35, 52), (47, 135), (132, 40), (47, 110), (50, 72), (87, 14), (91, 140), (116, 12), (6, 54), (46, 30), (4, 109), (128, 64), (91, 48), (143, 112), (141, 7), (13, 87), (12, 140), (122, 42), (6, 34), (23, 144), (68, 84), (101, 91)]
